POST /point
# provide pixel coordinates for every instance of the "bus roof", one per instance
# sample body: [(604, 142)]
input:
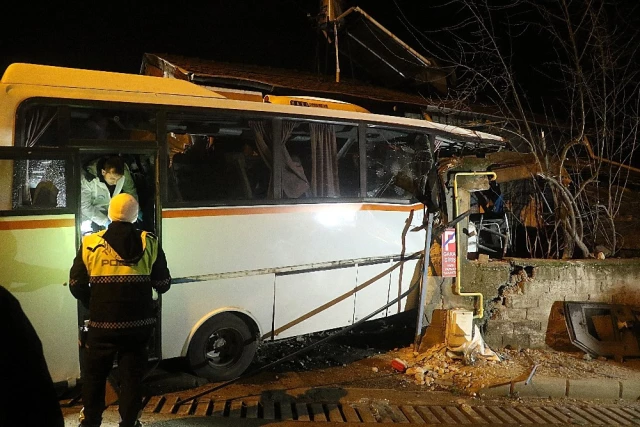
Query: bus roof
[(312, 101), (46, 75), (154, 89)]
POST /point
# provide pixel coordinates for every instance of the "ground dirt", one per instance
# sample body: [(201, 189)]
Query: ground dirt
[(364, 358)]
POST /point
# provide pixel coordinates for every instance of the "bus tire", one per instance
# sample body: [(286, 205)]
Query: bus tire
[(222, 348)]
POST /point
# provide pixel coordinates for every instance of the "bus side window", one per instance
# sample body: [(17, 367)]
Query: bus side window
[(321, 161), (393, 160), (193, 169), (32, 183), (39, 126), (231, 158), (215, 159), (88, 123)]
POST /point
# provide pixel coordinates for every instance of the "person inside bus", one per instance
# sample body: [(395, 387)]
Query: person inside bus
[(113, 275), (101, 180)]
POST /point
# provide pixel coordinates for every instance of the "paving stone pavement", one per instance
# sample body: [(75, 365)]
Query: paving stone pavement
[(583, 402)]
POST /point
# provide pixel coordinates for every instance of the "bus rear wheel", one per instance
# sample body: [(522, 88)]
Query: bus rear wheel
[(222, 348)]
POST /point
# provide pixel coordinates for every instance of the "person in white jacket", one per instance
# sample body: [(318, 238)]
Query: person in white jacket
[(101, 180)]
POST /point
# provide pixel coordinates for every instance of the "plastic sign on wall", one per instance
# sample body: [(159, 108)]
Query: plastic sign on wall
[(449, 253)]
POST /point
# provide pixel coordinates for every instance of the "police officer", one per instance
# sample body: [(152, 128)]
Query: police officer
[(113, 276)]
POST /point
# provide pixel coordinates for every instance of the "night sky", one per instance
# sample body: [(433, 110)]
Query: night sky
[(279, 33), (114, 36)]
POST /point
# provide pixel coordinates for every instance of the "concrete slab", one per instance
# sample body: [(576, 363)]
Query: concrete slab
[(630, 390), (593, 389), (541, 387), (496, 391)]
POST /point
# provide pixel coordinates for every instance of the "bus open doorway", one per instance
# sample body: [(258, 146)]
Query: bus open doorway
[(136, 173)]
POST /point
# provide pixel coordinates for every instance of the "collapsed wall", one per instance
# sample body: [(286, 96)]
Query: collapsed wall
[(526, 309)]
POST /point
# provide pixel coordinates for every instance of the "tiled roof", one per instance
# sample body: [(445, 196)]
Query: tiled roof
[(278, 80)]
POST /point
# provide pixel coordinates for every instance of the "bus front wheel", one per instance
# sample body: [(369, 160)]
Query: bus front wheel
[(222, 348)]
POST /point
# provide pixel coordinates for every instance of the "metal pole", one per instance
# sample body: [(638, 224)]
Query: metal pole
[(423, 291), (335, 39)]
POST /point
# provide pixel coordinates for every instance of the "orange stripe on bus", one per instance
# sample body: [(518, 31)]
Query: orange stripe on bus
[(259, 210), (37, 223), (392, 208), (223, 211)]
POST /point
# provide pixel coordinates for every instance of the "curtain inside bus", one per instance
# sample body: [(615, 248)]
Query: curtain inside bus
[(294, 181), (324, 160)]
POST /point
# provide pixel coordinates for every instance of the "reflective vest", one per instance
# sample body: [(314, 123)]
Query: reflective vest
[(121, 295)]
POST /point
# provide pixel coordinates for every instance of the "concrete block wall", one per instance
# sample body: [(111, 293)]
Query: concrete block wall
[(526, 311)]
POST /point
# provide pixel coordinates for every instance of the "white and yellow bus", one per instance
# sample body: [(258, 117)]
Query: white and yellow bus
[(277, 220)]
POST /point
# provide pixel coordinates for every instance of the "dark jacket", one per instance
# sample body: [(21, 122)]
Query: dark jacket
[(27, 395), (114, 273)]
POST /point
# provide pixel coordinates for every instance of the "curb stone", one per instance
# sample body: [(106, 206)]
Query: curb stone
[(630, 390), (541, 387), (593, 389), (501, 390), (546, 387)]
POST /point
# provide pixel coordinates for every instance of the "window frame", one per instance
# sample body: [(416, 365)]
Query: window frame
[(70, 156), (163, 112)]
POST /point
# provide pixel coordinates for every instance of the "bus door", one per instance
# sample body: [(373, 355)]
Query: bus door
[(140, 180), (98, 131), (37, 235)]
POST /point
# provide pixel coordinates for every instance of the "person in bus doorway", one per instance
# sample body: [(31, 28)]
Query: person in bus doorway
[(101, 180), (29, 397), (114, 274)]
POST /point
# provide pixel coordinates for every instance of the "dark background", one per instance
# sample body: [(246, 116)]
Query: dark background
[(113, 35)]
